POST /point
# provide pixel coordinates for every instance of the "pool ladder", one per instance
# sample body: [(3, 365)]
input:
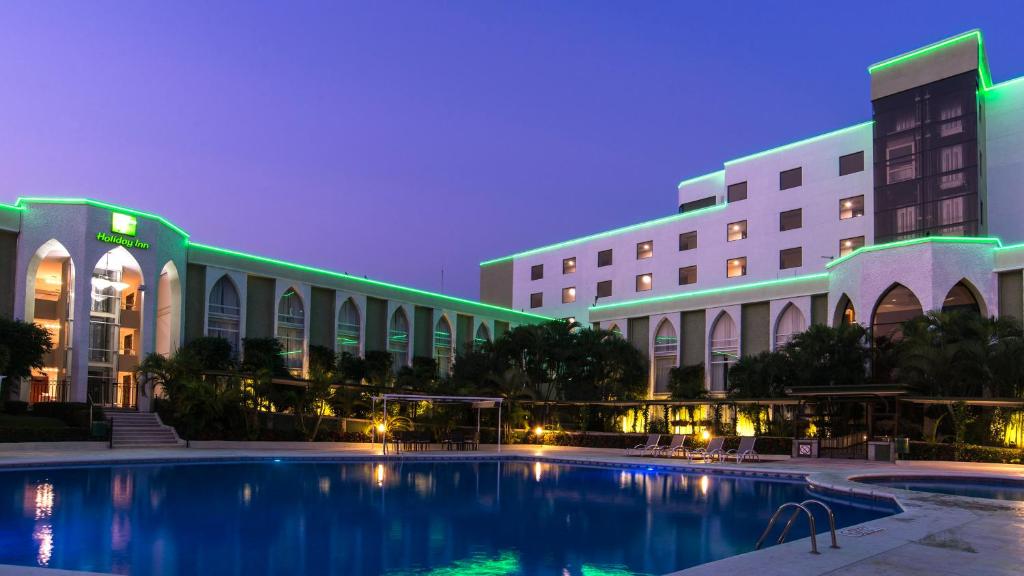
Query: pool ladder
[(798, 507)]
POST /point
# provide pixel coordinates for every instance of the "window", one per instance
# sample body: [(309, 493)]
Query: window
[(536, 272), (645, 249), (568, 295), (569, 265), (604, 258), (687, 275), (851, 207), (790, 219), (536, 300), (901, 163), (644, 282), (736, 267), (696, 204), (736, 231), (398, 340), (291, 322), (790, 258), (443, 356), (791, 178), (688, 240), (225, 313), (348, 328), (736, 192), (604, 288), (851, 163), (847, 245)]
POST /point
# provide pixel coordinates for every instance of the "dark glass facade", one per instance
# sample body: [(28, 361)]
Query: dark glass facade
[(926, 161)]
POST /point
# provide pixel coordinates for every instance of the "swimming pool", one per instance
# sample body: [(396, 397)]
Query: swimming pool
[(487, 517), (973, 486)]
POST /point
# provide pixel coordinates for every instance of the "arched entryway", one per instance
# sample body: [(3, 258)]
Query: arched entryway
[(725, 351), (666, 346), (845, 313), (961, 298), (897, 305), (168, 310), (791, 322), (115, 328), (49, 302)]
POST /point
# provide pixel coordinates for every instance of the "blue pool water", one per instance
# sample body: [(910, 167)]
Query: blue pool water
[(992, 488), (471, 518)]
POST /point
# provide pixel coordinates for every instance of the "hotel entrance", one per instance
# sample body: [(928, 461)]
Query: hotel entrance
[(115, 324)]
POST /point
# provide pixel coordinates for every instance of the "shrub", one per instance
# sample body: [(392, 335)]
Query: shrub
[(44, 434), (964, 452), (15, 407), (75, 414)]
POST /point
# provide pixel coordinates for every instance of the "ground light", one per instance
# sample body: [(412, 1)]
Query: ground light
[(705, 435), (538, 431)]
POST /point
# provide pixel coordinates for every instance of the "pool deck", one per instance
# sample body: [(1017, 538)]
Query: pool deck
[(936, 534)]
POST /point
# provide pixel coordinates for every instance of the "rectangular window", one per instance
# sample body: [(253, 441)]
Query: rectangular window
[(847, 245), (736, 267), (688, 241), (644, 282), (536, 272), (790, 219), (851, 207), (568, 295), (791, 178), (851, 163), (736, 192), (536, 300), (604, 258), (696, 204), (569, 265), (604, 288), (901, 161), (791, 258), (645, 249), (687, 275), (736, 231)]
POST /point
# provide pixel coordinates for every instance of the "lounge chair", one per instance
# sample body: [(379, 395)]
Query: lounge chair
[(641, 449), (745, 451), (673, 447), (712, 451)]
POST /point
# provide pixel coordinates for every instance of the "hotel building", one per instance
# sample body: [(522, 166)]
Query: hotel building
[(919, 208), (113, 284)]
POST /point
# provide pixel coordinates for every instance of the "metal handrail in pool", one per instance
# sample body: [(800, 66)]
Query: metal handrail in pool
[(810, 520), (831, 521)]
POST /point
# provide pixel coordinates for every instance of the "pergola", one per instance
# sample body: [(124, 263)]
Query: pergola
[(478, 402)]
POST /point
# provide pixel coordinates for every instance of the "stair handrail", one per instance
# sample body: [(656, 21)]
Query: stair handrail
[(831, 521), (775, 518), (110, 433)]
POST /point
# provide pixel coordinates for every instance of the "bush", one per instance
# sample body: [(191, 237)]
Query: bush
[(44, 434), (15, 407), (964, 453), (74, 414)]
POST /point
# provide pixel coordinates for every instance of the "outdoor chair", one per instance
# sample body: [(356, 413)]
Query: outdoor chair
[(641, 449), (676, 445), (712, 451), (745, 450)]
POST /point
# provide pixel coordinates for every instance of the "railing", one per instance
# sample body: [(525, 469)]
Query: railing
[(853, 446), (800, 506)]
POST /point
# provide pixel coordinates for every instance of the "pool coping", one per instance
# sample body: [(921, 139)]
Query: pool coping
[(921, 515)]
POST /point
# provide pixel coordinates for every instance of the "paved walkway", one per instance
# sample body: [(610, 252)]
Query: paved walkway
[(936, 534)]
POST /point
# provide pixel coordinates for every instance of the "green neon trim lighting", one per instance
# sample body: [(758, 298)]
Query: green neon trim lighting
[(983, 71), (694, 180), (97, 204), (10, 208), (609, 233), (358, 280), (714, 291), (913, 241), (803, 142)]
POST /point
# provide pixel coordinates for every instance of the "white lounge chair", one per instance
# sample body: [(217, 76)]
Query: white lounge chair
[(745, 451), (674, 446), (641, 449), (712, 451)]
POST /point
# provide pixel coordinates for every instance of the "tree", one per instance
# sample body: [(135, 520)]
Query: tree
[(687, 382), (263, 356), (211, 352), (760, 376), (23, 346), (319, 393), (829, 355)]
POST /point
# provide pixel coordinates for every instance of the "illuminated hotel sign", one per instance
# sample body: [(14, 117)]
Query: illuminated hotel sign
[(123, 228)]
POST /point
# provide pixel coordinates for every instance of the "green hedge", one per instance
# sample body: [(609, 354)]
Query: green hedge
[(964, 453), (44, 434), (73, 413), (15, 407)]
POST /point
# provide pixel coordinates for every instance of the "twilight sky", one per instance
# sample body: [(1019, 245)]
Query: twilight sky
[(395, 138)]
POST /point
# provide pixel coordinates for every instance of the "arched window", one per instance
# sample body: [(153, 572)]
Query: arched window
[(225, 313), (443, 347), (398, 339), (725, 350), (845, 313), (483, 335), (961, 298), (348, 328), (665, 347), (616, 330), (291, 324), (791, 323), (895, 307)]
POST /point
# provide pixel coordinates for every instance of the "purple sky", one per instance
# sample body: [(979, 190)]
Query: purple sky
[(393, 138)]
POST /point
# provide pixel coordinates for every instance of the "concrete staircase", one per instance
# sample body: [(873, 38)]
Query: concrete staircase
[(141, 430)]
